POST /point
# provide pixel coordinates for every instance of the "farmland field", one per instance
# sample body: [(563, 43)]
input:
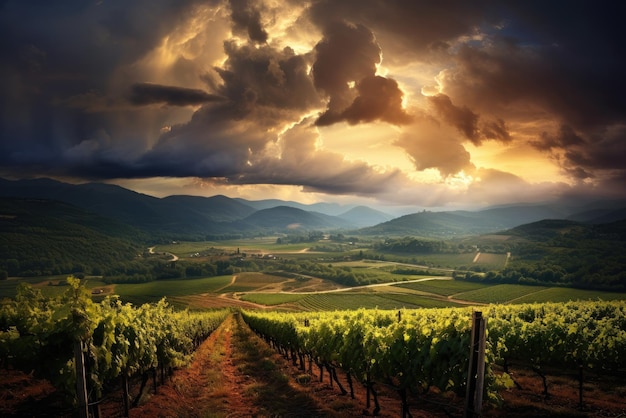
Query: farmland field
[(300, 289), (501, 293), (564, 294), (444, 288), (153, 291)]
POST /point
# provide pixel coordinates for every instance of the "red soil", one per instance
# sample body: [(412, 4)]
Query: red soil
[(235, 374)]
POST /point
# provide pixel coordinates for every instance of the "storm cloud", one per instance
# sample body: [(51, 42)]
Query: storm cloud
[(148, 93), (241, 93)]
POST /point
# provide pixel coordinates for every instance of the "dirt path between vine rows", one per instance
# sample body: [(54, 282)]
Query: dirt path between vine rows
[(236, 374)]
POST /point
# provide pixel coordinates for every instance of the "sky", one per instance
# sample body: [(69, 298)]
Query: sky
[(395, 103)]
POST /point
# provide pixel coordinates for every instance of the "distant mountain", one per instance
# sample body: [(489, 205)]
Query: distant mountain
[(195, 218), (363, 216), (599, 216), (463, 223), (430, 224), (513, 215), (190, 217), (332, 209), (286, 218), (216, 208), (173, 217), (107, 200)]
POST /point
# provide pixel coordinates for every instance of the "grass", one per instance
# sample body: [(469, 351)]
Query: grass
[(153, 291), (563, 294), (491, 261), (272, 299), (443, 287), (269, 290), (249, 245), (343, 301), (501, 293)]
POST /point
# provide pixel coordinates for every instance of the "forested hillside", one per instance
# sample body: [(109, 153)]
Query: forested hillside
[(564, 253), (44, 237)]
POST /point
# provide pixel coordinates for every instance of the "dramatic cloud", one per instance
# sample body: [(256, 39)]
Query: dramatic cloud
[(247, 19), (148, 93), (295, 158), (347, 55), (439, 102), (431, 146)]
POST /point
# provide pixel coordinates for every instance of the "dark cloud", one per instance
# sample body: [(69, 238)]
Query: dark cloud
[(495, 129), (561, 64), (408, 28), (58, 63), (347, 55), (148, 93), (75, 100), (467, 122), (378, 98), (461, 118), (247, 19), (566, 137), (265, 88), (586, 156), (262, 76)]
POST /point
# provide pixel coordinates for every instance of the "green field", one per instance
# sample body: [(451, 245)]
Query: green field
[(271, 299), (154, 291), (269, 290), (564, 294), (275, 290), (344, 300), (501, 293), (443, 287), (250, 245)]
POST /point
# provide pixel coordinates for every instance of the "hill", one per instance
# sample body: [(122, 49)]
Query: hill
[(46, 237), (176, 217), (490, 220), (200, 218), (545, 229), (286, 219), (211, 209), (434, 224), (332, 209), (363, 216)]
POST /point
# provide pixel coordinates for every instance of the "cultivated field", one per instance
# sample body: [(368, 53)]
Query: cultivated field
[(389, 290)]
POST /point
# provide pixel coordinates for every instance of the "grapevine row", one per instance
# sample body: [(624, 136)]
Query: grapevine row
[(565, 335), (413, 350), (118, 340), (418, 349)]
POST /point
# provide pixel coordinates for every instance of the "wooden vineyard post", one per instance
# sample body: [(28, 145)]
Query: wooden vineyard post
[(476, 372), (81, 381)]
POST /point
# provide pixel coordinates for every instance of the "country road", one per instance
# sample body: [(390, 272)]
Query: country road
[(367, 286), (174, 256)]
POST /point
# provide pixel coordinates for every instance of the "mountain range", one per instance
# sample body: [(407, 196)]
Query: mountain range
[(195, 217)]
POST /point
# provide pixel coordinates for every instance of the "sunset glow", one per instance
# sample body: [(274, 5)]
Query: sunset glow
[(388, 103)]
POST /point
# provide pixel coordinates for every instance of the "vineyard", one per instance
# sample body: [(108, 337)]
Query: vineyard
[(112, 341), (412, 353), (418, 350)]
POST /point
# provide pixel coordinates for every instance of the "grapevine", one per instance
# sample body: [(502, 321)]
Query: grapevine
[(118, 340), (415, 350)]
